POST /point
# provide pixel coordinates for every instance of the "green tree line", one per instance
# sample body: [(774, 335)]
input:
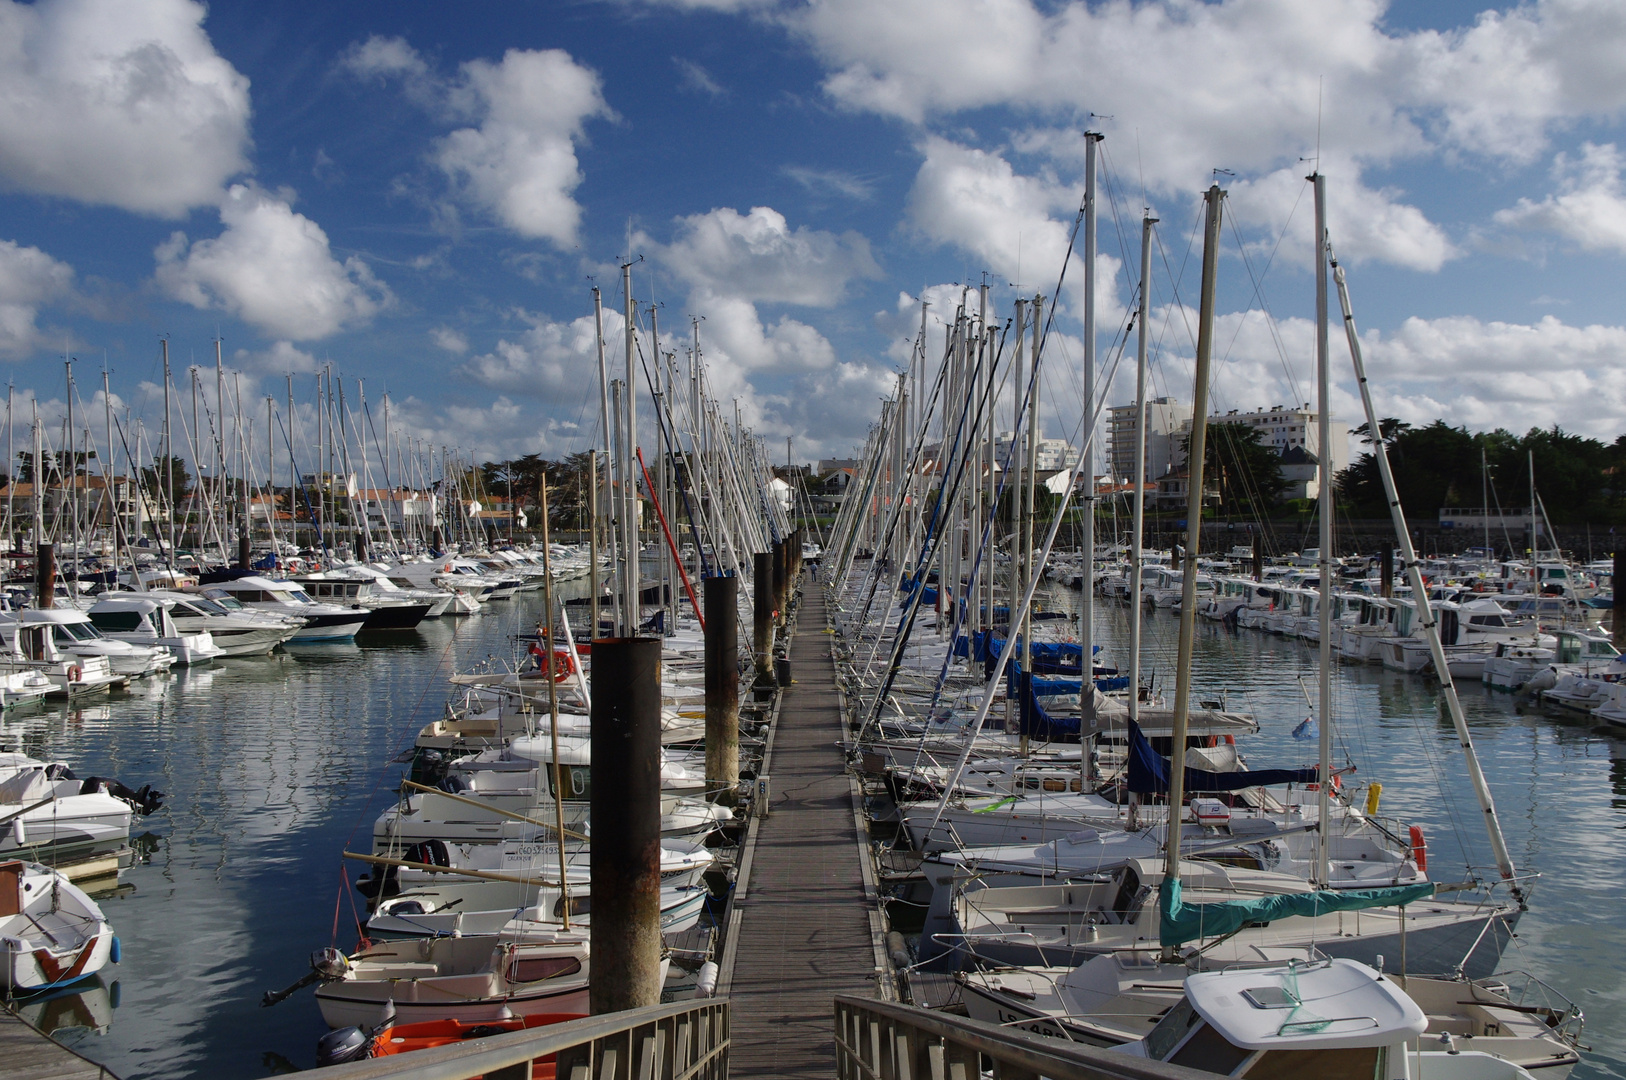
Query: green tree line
[(1578, 479)]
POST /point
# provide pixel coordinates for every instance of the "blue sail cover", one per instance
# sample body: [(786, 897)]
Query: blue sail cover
[(1179, 922), (929, 596), (1149, 772), (1033, 720)]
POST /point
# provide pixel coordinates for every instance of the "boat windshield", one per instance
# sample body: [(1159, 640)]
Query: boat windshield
[(225, 599)]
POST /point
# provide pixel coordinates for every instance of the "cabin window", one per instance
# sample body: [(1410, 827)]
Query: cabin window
[(1210, 1051), (1350, 1063), (535, 969), (578, 781), (116, 621), (579, 905)]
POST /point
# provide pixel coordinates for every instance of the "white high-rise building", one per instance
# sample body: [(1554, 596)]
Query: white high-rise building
[(1167, 422), (1285, 428), (1053, 454)]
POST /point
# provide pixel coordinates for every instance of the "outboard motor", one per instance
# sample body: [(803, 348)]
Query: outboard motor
[(428, 767), (145, 801), (342, 1045)]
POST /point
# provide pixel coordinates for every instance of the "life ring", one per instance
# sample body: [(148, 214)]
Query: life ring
[(1216, 740), (447, 569), (74, 672), (1419, 849), (564, 665)]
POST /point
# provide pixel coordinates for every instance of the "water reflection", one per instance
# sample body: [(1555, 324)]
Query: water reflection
[(273, 766), (72, 1014)]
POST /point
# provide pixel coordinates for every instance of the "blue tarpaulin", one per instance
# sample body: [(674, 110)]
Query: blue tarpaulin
[(1033, 720), (1149, 772)]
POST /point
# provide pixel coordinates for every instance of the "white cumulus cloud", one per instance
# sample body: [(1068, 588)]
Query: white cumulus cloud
[(551, 360), (519, 164), (273, 268), (282, 358), (758, 256), (1590, 207), (29, 280), (118, 103)]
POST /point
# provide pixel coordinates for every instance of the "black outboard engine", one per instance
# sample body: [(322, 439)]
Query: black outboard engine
[(428, 767), (342, 1045), (145, 801), (384, 879)]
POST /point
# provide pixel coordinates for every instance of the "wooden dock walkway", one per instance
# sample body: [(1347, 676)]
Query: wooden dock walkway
[(804, 928), (30, 1054)]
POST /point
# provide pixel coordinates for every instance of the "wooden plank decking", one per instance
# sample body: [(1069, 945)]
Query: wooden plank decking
[(804, 932), (31, 1055)]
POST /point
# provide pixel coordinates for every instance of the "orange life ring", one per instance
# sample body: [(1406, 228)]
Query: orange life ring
[(75, 672), (564, 665), (1419, 849)]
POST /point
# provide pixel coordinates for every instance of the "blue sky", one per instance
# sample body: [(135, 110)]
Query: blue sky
[(424, 194)]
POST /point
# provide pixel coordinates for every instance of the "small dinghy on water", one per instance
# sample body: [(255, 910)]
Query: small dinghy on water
[(51, 933), (356, 1044)]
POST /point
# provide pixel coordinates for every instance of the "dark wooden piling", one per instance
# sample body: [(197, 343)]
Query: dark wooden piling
[(762, 610), (626, 815), (45, 576), (1617, 627), (779, 595), (722, 687)]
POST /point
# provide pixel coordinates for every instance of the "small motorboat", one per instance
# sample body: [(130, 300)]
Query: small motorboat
[(477, 978), (51, 933)]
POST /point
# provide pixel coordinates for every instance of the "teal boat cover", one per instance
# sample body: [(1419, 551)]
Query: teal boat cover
[(1180, 923)]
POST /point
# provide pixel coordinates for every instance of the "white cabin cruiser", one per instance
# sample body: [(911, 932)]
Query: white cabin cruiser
[(33, 647), (54, 815), (74, 635), (235, 630), (142, 619), (323, 622)]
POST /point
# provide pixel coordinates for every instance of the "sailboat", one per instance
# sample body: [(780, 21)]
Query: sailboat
[(1104, 905), (1123, 986)]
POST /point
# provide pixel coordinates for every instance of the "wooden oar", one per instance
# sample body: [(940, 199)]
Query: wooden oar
[(483, 875)]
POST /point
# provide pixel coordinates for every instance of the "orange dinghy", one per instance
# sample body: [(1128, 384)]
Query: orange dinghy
[(405, 1038)]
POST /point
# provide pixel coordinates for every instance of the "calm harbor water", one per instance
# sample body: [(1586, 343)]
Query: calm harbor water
[(273, 766)]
